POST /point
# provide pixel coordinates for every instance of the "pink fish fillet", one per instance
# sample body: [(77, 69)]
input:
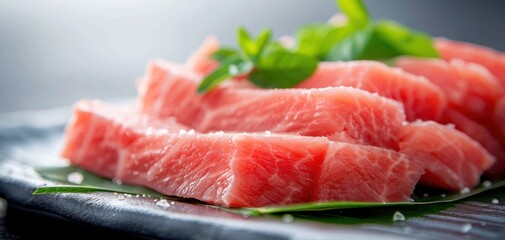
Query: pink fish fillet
[(453, 162), (493, 60), (421, 99), (341, 114), (200, 60), (499, 116), (470, 88), (230, 169), (482, 135)]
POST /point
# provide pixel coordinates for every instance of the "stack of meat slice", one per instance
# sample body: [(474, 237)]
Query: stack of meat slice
[(473, 94), (357, 131), (233, 169), (494, 62)]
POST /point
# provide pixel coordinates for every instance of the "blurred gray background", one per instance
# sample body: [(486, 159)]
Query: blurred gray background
[(56, 51)]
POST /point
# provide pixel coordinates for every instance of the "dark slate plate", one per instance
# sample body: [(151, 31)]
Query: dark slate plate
[(30, 139)]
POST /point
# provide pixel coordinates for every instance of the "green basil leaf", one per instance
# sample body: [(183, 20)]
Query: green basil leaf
[(378, 49), (233, 65), (317, 40), (348, 212), (282, 69), (273, 47), (70, 189), (90, 182), (351, 47), (262, 41), (356, 11), (406, 41), (253, 48), (222, 53), (310, 39), (246, 43), (380, 41)]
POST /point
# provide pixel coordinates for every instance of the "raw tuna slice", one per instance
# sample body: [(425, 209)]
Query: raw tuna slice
[(339, 113), (482, 135), (453, 161), (97, 152), (493, 60), (238, 170), (360, 163), (499, 116), (469, 87), (472, 91), (421, 99), (200, 61)]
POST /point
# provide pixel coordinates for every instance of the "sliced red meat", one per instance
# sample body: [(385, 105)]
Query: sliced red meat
[(453, 161), (469, 87), (238, 170), (499, 117), (166, 84), (481, 134), (97, 152), (472, 91), (361, 164), (421, 99), (200, 60), (341, 114), (493, 60)]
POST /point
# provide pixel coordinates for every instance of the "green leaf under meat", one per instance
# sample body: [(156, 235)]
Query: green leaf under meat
[(341, 212)]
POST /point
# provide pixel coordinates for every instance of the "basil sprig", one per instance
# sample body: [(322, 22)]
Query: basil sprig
[(361, 38), (268, 64)]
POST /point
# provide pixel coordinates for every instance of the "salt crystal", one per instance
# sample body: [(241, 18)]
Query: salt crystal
[(182, 131), (288, 218), (233, 69), (117, 181), (495, 201), (466, 228), (443, 195), (75, 177), (268, 132), (487, 184), (464, 190), (149, 131), (192, 131), (163, 203), (398, 216)]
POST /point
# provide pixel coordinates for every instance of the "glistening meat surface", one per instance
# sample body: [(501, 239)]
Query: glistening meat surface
[(239, 170), (340, 113)]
